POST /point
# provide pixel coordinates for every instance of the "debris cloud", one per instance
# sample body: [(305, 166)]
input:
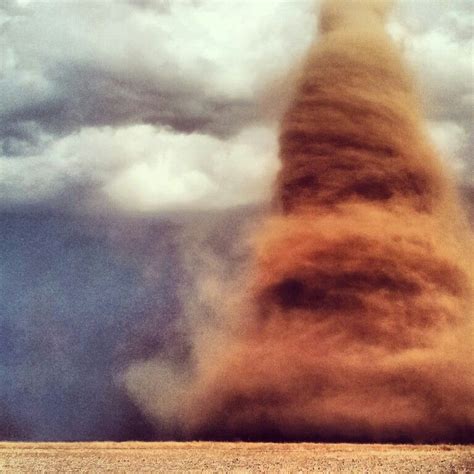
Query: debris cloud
[(356, 323)]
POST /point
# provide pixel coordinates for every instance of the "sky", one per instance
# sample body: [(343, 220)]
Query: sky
[(150, 106), (128, 132)]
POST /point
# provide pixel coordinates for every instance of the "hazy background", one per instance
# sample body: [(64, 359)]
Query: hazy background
[(137, 140)]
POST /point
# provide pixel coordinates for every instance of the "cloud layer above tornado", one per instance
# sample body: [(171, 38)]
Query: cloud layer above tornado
[(155, 105)]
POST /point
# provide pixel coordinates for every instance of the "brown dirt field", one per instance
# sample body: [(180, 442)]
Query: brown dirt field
[(233, 457)]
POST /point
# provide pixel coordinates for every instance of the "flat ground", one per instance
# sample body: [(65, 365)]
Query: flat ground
[(140, 457)]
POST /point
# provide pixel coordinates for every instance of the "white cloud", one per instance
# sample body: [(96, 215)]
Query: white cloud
[(438, 44), (139, 168), (451, 141), (196, 171)]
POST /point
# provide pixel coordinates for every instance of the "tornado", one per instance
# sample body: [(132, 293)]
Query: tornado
[(357, 323)]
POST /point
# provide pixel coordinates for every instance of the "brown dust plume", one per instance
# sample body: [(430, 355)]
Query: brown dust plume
[(358, 321)]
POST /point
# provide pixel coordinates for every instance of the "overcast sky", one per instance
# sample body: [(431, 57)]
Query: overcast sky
[(155, 105)]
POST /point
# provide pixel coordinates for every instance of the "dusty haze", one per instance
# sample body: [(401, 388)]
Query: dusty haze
[(355, 320)]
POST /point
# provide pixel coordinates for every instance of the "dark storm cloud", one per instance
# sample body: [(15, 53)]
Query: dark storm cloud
[(59, 85), (80, 299), (87, 96), (74, 307)]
